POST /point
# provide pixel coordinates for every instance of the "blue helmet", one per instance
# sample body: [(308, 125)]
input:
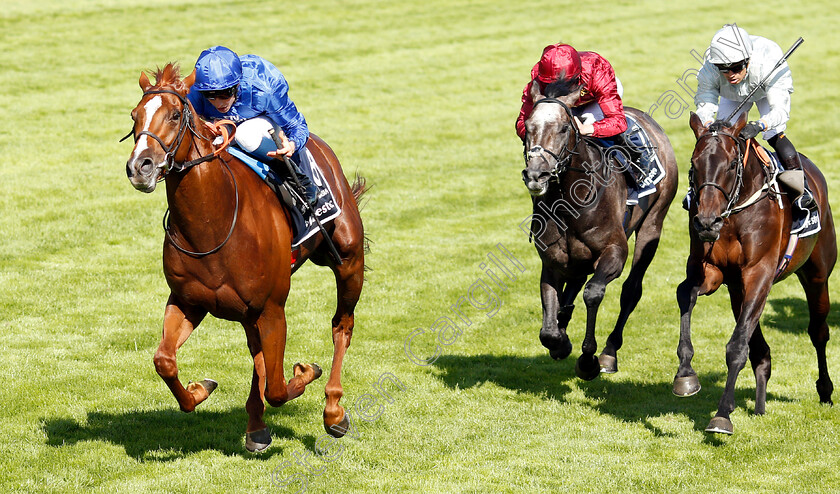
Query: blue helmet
[(217, 68)]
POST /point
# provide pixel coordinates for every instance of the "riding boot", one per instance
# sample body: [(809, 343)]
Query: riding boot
[(639, 164), (793, 177), (309, 189)]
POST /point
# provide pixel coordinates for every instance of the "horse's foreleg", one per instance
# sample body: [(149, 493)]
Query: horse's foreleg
[(607, 268), (816, 291), (698, 281), (179, 320), (349, 278), (757, 284), (647, 241), (553, 332)]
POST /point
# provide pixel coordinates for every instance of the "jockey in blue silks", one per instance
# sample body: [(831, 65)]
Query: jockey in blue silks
[(252, 92)]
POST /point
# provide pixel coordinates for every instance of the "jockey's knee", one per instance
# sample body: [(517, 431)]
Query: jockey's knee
[(252, 136)]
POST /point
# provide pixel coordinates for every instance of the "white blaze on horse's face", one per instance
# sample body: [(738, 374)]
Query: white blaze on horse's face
[(151, 107), (546, 139), (141, 167)]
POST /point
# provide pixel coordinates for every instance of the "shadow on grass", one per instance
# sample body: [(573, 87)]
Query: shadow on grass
[(166, 435), (791, 315), (627, 401)]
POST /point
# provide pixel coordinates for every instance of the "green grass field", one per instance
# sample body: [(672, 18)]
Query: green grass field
[(420, 98)]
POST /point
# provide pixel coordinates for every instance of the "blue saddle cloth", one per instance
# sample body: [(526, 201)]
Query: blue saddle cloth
[(805, 222), (303, 223)]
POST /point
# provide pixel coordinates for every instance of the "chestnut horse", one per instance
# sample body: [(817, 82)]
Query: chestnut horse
[(584, 196), (741, 243), (228, 252)]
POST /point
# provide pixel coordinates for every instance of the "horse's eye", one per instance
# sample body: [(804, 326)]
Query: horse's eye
[(176, 115)]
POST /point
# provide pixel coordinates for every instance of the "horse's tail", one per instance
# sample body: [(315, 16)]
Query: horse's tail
[(359, 188)]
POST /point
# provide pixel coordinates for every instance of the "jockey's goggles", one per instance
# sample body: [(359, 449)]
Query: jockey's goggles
[(221, 93), (732, 67)]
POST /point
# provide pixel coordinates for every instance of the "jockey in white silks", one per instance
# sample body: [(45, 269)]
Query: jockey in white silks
[(735, 65)]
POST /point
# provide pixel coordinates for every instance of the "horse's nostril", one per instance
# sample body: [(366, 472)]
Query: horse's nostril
[(146, 166)]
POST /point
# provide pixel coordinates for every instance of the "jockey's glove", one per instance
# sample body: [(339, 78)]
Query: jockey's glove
[(752, 129)]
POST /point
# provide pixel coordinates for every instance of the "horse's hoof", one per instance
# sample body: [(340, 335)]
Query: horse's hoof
[(686, 386), (317, 369), (720, 425), (258, 440), (300, 369), (559, 353), (587, 368), (608, 363), (339, 429), (210, 385)]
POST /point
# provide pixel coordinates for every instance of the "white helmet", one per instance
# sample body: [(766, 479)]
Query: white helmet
[(730, 44)]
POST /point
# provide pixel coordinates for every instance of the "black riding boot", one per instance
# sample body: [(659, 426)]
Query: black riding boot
[(793, 177), (639, 164), (310, 191)]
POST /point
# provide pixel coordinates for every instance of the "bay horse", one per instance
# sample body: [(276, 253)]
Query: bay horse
[(227, 252), (742, 245), (584, 195)]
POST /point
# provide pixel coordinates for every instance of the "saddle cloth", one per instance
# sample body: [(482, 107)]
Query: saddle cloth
[(649, 172), (804, 222), (303, 223)]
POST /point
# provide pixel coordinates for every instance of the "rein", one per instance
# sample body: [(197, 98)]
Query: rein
[(224, 127)]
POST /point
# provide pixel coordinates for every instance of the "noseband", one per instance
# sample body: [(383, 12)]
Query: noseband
[(731, 196), (560, 164)]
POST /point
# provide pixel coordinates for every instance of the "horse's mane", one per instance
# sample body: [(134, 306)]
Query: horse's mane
[(562, 86), (169, 75)]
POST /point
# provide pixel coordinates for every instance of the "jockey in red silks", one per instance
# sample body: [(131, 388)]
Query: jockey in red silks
[(599, 110)]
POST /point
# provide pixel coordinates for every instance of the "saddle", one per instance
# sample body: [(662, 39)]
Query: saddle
[(635, 152), (303, 223)]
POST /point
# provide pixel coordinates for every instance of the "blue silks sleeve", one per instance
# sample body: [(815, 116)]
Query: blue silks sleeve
[(271, 98)]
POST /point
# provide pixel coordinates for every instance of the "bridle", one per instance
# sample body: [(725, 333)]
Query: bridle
[(185, 124), (732, 196), (560, 164)]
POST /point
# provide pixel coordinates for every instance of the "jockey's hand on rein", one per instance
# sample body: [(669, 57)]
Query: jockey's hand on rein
[(751, 130)]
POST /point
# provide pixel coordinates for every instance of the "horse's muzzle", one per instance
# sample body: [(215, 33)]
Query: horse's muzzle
[(142, 173), (707, 227), (536, 181)]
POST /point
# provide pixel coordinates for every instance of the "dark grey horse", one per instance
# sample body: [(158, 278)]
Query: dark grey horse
[(581, 223)]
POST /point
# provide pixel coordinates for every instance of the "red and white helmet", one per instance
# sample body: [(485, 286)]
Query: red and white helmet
[(729, 45), (557, 60)]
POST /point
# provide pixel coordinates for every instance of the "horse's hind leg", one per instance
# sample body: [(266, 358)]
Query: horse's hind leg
[(760, 361), (349, 277), (179, 320), (818, 307), (647, 241)]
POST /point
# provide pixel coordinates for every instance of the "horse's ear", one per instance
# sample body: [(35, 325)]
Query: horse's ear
[(696, 125), (144, 82), (739, 125), (189, 80), (536, 94)]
